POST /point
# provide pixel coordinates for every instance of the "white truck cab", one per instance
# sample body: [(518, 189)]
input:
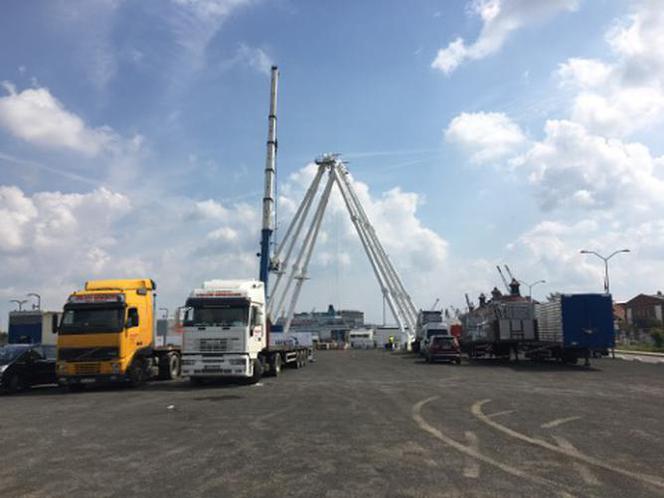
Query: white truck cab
[(225, 334), (224, 329)]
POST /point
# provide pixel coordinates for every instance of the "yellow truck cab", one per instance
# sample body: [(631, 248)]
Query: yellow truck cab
[(106, 335)]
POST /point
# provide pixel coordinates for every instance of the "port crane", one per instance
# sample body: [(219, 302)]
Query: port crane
[(290, 261)]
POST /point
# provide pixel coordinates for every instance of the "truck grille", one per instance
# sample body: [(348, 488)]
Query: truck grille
[(212, 345), (87, 368), (88, 355)]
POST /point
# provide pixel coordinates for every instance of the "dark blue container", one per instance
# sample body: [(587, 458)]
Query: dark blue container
[(587, 321)]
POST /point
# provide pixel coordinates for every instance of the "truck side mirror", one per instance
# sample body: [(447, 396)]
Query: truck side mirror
[(54, 323)]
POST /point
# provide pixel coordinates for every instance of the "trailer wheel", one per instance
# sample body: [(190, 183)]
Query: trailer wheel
[(169, 367)]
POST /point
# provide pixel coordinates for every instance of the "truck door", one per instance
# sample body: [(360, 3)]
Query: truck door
[(132, 331)]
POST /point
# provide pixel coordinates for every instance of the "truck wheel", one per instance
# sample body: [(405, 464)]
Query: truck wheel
[(136, 374), (15, 384), (258, 372), (275, 365), (169, 367)]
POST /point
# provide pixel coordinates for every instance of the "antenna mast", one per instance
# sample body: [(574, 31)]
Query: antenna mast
[(270, 171)]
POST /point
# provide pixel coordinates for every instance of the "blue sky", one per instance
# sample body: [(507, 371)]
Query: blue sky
[(132, 140)]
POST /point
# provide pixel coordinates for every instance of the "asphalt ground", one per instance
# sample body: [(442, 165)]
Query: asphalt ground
[(354, 423)]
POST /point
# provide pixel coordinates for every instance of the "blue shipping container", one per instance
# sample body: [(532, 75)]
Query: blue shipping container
[(587, 321)]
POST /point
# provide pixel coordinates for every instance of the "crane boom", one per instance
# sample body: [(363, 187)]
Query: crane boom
[(502, 277), (270, 173)]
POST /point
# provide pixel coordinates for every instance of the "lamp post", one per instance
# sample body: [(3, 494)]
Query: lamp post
[(38, 305), (19, 302), (606, 264), (530, 287)]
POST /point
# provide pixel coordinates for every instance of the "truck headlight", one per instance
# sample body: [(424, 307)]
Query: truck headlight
[(115, 367), (62, 367), (3, 368)]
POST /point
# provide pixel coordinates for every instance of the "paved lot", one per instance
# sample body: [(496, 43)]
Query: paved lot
[(355, 423)]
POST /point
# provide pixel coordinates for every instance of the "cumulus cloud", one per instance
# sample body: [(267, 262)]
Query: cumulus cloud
[(574, 168), (36, 116), (499, 19), (51, 220), (487, 136), (625, 95)]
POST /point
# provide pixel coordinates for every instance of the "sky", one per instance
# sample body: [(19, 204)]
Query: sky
[(477, 133)]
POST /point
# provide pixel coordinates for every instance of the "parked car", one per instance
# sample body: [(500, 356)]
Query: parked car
[(443, 347), (26, 365)]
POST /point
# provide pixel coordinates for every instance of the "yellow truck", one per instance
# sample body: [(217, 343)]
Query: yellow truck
[(106, 335)]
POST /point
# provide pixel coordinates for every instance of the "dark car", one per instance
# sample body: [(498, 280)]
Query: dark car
[(26, 365), (444, 348)]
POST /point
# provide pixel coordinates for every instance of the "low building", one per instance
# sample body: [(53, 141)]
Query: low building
[(645, 311), (329, 325)]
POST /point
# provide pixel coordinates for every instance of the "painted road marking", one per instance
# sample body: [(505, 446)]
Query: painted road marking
[(416, 413), (584, 471), (476, 410), (555, 423), (498, 414), (472, 466)]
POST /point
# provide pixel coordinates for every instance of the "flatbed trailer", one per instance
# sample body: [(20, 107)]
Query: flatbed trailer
[(566, 329)]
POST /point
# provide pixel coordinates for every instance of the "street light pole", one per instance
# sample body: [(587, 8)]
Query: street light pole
[(34, 294), (530, 287), (606, 264)]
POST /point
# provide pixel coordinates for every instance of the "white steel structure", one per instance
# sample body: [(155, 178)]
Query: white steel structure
[(291, 273)]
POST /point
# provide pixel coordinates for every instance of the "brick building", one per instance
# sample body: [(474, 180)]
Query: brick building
[(645, 311)]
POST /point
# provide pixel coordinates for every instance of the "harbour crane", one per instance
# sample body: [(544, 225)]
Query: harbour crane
[(502, 277)]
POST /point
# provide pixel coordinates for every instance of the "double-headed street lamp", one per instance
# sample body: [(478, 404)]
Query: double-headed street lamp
[(530, 287), (19, 302), (606, 264)]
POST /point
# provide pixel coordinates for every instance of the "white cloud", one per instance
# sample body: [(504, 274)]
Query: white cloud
[(499, 19), (625, 95), (255, 58), (196, 22), (487, 136), (571, 167), (36, 116)]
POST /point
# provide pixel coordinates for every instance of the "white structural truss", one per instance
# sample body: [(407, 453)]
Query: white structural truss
[(290, 265)]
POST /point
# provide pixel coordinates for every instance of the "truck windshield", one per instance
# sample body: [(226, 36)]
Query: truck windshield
[(92, 320), (10, 353), (225, 316)]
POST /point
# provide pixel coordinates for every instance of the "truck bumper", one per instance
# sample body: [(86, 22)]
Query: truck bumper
[(226, 365), (91, 379)]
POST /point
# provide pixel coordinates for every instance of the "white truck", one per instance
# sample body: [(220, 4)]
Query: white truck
[(226, 334)]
